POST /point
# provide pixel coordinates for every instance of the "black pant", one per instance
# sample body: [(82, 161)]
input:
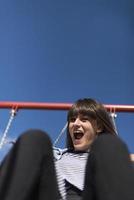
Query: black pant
[(27, 172), (109, 173)]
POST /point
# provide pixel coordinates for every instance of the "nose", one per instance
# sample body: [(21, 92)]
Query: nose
[(77, 122)]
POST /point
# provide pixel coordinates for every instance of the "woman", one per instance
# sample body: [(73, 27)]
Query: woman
[(91, 134), (87, 119), (94, 166)]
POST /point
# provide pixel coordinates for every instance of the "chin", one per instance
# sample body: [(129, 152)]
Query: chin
[(80, 148)]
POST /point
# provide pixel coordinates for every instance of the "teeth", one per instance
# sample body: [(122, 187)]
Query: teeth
[(77, 131)]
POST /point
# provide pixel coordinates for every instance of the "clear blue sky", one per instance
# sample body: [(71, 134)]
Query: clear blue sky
[(59, 51)]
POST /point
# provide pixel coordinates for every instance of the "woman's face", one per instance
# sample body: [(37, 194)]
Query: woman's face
[(82, 132)]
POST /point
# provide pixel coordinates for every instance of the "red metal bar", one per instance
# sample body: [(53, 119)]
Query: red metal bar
[(35, 105), (120, 108), (59, 106)]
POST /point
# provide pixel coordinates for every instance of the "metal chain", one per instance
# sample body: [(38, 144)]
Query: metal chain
[(60, 134), (3, 139), (113, 117)]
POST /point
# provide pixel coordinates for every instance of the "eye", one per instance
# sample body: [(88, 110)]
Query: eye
[(84, 119), (72, 119)]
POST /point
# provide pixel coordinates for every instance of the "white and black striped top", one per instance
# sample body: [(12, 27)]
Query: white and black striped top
[(70, 167)]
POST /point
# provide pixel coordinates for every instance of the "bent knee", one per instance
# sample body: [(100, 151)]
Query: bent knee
[(107, 141), (110, 147), (35, 136)]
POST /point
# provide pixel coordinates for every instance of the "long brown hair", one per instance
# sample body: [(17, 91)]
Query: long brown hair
[(95, 111)]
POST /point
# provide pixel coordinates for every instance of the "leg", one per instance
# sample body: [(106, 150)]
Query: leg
[(28, 170), (109, 172)]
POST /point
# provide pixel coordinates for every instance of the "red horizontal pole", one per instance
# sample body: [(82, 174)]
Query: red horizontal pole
[(35, 105), (120, 108), (59, 106)]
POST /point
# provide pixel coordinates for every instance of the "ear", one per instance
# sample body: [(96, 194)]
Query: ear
[(99, 128)]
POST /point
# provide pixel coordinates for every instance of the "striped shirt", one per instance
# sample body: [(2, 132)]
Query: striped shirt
[(70, 167)]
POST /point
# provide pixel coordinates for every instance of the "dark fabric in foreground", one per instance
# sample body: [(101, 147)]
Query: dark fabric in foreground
[(110, 175), (27, 173)]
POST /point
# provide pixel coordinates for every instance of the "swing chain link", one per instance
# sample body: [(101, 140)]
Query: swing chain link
[(12, 116), (113, 118)]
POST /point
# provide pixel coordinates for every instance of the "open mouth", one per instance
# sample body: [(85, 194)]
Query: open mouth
[(78, 135)]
